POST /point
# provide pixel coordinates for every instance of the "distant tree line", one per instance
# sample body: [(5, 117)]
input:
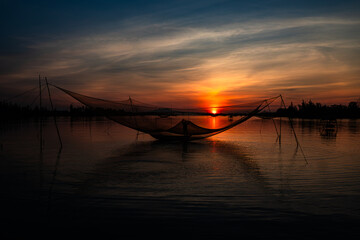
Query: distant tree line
[(317, 110), (16, 111), (13, 110), (304, 110)]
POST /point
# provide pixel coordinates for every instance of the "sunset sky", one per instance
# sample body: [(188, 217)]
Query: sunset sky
[(204, 53)]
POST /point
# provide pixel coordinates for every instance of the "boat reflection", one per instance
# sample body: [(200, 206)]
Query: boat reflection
[(329, 128)]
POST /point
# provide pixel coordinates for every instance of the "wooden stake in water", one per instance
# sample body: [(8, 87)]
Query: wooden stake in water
[(293, 130), (52, 108), (40, 113)]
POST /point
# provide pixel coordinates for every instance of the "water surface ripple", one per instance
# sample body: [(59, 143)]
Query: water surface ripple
[(110, 180)]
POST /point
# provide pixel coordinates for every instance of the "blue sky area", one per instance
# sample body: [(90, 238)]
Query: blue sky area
[(175, 52)]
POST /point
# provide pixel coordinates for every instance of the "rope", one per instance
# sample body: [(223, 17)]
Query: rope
[(19, 95)]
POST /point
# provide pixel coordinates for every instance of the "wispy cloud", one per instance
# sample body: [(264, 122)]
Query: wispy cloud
[(299, 56)]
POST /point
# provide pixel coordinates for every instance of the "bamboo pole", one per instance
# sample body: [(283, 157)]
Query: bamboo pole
[(40, 115), (293, 130), (54, 115)]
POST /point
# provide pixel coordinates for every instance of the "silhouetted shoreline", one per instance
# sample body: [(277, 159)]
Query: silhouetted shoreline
[(317, 110), (305, 110)]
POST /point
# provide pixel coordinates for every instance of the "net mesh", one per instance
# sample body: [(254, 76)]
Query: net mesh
[(168, 123)]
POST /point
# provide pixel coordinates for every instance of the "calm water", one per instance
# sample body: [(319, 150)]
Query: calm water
[(109, 180)]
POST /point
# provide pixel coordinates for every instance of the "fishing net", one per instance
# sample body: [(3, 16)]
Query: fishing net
[(169, 123)]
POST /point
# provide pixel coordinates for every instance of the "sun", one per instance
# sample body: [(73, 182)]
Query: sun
[(214, 111)]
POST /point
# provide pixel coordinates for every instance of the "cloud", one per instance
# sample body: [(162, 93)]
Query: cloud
[(181, 58)]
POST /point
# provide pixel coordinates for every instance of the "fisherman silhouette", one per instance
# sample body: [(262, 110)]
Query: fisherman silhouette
[(185, 124)]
